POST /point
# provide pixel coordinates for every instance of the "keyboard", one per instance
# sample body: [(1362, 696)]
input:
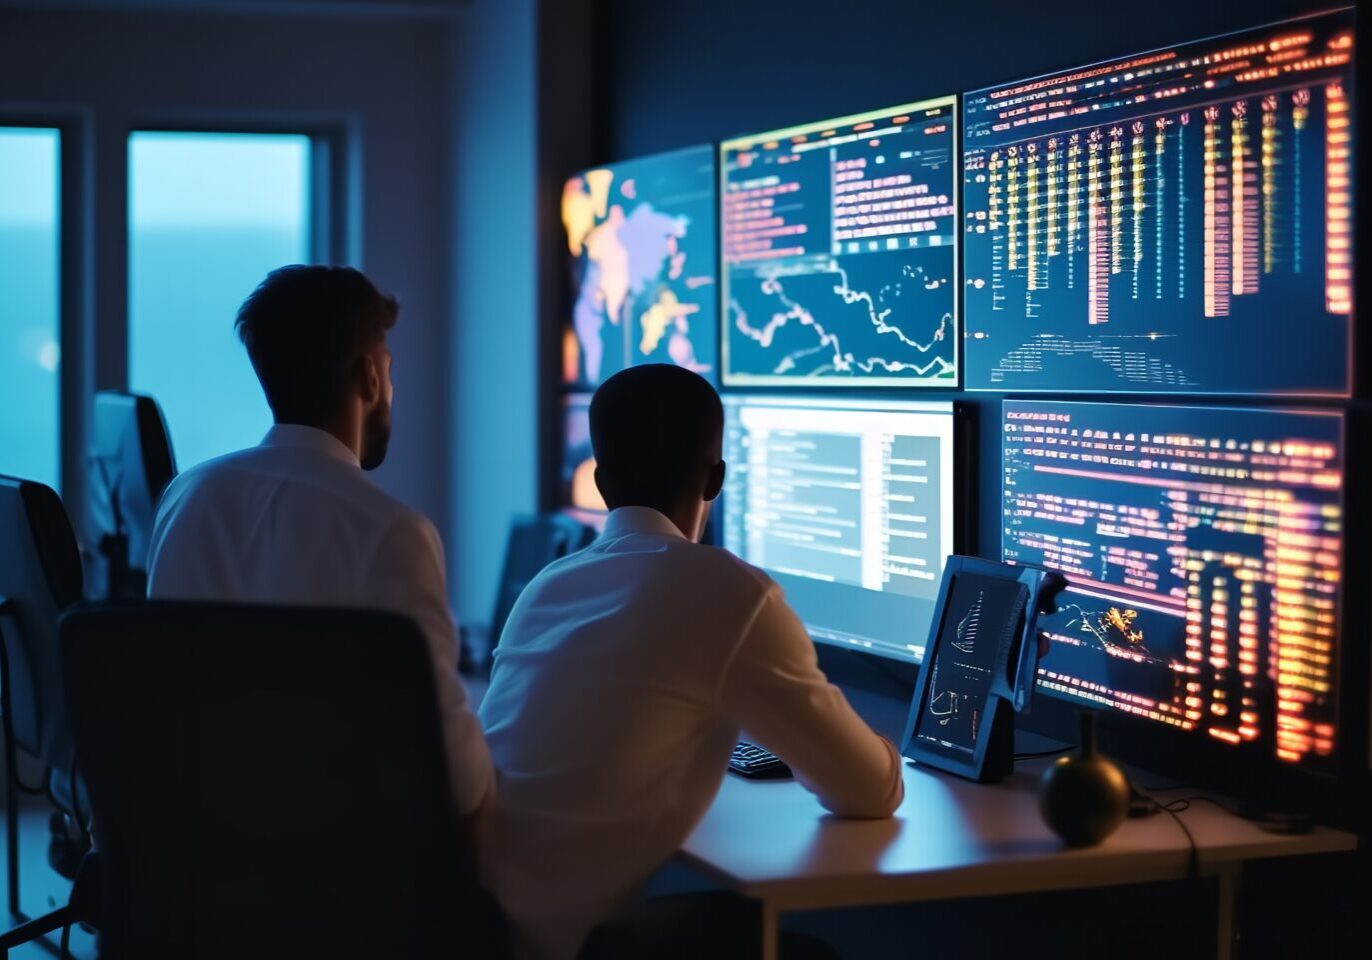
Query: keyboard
[(757, 763)]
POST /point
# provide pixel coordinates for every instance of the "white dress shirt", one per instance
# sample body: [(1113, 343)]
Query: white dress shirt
[(620, 686), (296, 521)]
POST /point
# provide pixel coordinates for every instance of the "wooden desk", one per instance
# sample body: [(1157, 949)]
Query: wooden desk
[(952, 838)]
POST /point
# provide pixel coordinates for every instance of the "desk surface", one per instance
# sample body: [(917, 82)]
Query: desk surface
[(953, 838)]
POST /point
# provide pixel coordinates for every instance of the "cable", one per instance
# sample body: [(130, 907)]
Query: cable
[(1174, 809), (1043, 753), (1193, 856), (1223, 806)]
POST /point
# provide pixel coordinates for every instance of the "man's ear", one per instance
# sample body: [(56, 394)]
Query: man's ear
[(715, 483), (368, 379), (602, 485)]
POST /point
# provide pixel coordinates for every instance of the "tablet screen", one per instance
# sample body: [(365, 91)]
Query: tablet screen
[(975, 637)]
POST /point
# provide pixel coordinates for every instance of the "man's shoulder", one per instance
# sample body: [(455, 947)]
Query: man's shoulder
[(330, 486), (207, 475), (729, 566), (707, 567)]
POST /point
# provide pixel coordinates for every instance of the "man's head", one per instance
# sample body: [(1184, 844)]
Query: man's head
[(317, 339), (657, 431)]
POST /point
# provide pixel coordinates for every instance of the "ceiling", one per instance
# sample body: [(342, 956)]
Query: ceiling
[(403, 8)]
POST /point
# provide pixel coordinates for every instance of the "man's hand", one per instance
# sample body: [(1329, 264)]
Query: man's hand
[(1044, 644)]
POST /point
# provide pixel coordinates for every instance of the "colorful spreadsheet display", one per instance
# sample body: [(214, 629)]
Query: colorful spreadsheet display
[(1204, 551), (1173, 222)]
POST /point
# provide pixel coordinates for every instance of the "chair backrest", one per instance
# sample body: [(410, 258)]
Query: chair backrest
[(131, 463), (40, 576), (269, 781), (534, 542)]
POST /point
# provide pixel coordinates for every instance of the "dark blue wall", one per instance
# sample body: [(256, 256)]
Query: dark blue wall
[(678, 73)]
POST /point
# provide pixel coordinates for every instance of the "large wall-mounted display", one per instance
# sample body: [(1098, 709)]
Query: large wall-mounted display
[(840, 251), (642, 240), (849, 505), (1173, 222), (1204, 547)]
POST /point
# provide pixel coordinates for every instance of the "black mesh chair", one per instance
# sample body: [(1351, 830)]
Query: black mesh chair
[(40, 576), (267, 782)]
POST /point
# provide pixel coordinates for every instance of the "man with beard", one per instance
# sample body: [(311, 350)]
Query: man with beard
[(295, 520)]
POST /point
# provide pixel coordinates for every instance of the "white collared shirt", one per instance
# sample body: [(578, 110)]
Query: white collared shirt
[(296, 521), (620, 685)]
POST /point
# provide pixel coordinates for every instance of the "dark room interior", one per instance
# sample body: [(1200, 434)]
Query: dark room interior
[(763, 479)]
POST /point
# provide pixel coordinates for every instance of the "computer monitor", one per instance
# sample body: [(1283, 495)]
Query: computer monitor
[(1203, 547), (641, 238), (840, 251), (848, 504), (1166, 222), (580, 497), (130, 465)]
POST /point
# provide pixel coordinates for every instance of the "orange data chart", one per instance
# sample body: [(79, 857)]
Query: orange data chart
[(1204, 550), (1162, 223)]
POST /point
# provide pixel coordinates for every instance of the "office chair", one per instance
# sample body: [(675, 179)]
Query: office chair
[(265, 782), (130, 463), (534, 542), (40, 576)]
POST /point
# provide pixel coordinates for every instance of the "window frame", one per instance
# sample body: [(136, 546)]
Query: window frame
[(334, 197), (335, 173), (75, 313), (95, 352)]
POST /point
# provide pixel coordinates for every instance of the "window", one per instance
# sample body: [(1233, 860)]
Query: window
[(29, 313), (209, 215)]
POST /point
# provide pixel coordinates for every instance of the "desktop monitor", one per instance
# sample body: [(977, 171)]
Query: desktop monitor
[(1166, 222), (848, 505), (840, 251), (641, 240), (579, 495), (130, 465), (1203, 549)]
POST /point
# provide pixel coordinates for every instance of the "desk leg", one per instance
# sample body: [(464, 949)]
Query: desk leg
[(1227, 927), (771, 931)]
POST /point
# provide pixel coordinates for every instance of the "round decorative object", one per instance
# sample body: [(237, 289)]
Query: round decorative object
[(1084, 798)]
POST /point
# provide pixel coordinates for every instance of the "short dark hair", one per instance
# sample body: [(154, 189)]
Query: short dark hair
[(305, 327), (653, 428)]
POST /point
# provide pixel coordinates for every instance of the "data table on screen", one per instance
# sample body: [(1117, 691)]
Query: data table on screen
[(1173, 222), (1203, 547), (840, 251), (848, 504)]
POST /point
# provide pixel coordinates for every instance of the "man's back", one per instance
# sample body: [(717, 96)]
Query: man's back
[(296, 521), (621, 683)]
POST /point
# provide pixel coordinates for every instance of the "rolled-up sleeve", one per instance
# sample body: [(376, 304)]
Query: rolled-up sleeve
[(408, 574), (776, 692)]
